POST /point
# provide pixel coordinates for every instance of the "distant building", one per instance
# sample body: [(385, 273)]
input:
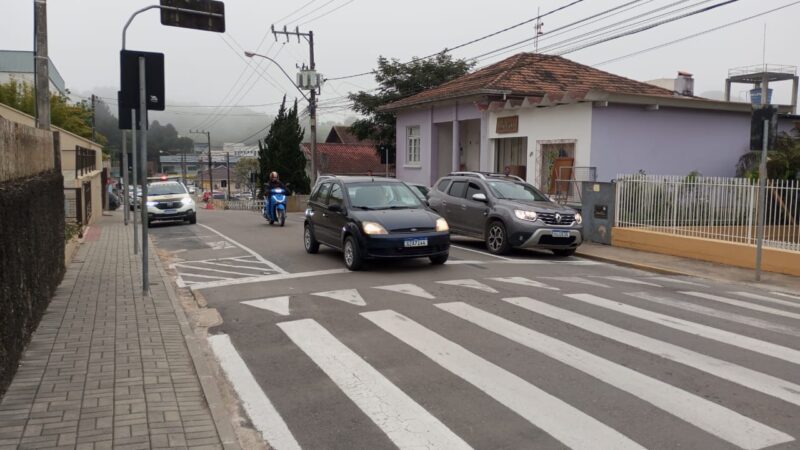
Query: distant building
[(343, 153), (240, 150), (18, 65)]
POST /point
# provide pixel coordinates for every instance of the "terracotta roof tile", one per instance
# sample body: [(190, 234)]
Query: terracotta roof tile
[(533, 75), (341, 134), (346, 159)]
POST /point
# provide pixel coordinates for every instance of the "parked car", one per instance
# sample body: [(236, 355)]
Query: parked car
[(169, 200), (373, 218), (420, 190), (506, 212)]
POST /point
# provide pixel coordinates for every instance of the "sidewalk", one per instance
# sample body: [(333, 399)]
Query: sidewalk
[(108, 368), (675, 265)]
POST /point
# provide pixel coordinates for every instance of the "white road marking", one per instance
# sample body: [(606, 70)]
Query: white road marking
[(408, 289), (524, 282), (220, 245), (727, 425), (262, 269), (574, 262), (264, 278), (746, 305), (482, 253), (248, 250), (737, 340), (345, 295), (768, 299), (630, 280), (751, 379), (210, 277), (786, 295), (711, 312), (262, 413), (406, 423), (189, 266), (578, 280), (472, 284), (278, 305), (557, 418), (675, 280)]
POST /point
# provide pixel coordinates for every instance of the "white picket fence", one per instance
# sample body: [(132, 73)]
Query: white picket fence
[(710, 207)]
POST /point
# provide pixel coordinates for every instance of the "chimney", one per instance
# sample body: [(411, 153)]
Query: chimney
[(684, 84)]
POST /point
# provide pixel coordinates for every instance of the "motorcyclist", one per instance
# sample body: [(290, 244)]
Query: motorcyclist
[(275, 182)]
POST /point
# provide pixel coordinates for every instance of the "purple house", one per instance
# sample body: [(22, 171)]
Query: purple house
[(545, 117)]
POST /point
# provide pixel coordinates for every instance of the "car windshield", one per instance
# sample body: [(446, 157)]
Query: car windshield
[(516, 191), (165, 189), (382, 195)]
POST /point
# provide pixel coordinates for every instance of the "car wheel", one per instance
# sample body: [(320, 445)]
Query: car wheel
[(309, 241), (564, 252), (438, 260), (497, 238), (352, 254)]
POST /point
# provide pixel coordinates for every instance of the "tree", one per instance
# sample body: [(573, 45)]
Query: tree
[(397, 81), (242, 171), (280, 151), (783, 162)]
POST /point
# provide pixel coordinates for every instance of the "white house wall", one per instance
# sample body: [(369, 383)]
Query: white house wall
[(561, 123)]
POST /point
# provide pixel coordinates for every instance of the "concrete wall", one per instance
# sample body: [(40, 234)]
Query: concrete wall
[(670, 141), (547, 125), (24, 150), (733, 254)]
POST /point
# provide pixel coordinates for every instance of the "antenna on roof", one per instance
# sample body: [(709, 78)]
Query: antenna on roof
[(538, 31)]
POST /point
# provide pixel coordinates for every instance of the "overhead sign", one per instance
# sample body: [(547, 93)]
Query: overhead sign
[(508, 124), (206, 15), (129, 79)]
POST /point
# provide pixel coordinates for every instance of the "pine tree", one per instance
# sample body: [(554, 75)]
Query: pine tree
[(280, 151)]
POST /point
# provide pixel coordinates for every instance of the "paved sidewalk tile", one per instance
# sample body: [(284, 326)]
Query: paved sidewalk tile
[(107, 367)]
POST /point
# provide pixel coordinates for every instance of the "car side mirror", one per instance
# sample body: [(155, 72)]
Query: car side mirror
[(335, 208), (479, 197)]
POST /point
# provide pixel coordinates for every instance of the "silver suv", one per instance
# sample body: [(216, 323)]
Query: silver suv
[(506, 212)]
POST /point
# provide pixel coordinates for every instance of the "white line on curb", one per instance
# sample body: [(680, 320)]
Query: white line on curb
[(248, 250)]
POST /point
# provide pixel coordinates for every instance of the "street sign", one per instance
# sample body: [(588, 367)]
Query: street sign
[(129, 79), (761, 114), (206, 15), (124, 115)]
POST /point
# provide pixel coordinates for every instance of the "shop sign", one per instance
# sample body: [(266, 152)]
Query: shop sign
[(508, 124)]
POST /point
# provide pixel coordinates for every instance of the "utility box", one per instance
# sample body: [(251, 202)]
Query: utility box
[(598, 210)]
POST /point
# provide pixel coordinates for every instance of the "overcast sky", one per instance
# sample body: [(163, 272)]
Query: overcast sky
[(202, 68)]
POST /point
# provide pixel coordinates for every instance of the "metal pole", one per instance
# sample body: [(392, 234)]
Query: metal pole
[(386, 147), (762, 198), (210, 171), (135, 173), (228, 167), (125, 205), (41, 64), (312, 112), (143, 126)]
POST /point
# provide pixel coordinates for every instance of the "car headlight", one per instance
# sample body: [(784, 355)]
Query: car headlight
[(152, 203), (373, 228), (186, 201), (441, 225), (578, 218), (525, 215)]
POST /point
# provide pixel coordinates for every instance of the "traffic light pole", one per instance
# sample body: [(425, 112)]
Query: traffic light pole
[(143, 125)]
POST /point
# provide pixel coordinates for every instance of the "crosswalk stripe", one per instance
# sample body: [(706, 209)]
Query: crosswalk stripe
[(751, 379), (630, 281), (259, 408), (345, 295), (403, 420), (278, 305), (711, 312), (678, 281), (578, 280), (557, 418), (472, 284), (726, 337), (717, 420), (741, 304), (524, 282), (794, 297), (794, 304), (408, 289)]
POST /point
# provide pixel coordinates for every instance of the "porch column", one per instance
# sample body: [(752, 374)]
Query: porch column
[(456, 146), (486, 147)]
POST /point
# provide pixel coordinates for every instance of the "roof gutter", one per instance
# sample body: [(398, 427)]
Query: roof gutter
[(460, 95)]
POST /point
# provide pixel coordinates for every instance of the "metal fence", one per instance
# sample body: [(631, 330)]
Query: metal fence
[(569, 182), (711, 208)]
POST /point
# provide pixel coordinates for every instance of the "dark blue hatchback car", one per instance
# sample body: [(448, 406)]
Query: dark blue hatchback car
[(373, 218)]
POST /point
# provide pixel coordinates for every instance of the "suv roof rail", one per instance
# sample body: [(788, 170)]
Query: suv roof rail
[(468, 174), (502, 175), (484, 175)]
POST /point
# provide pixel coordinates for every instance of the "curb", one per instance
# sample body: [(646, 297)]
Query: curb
[(207, 381), (640, 266)]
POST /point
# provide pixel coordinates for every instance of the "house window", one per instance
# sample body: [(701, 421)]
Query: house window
[(413, 146)]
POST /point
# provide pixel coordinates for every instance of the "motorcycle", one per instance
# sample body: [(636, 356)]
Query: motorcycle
[(275, 206)]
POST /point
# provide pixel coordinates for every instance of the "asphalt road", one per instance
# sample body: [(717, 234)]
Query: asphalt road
[(528, 351)]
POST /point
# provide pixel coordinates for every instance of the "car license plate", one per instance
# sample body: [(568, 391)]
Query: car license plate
[(560, 234), (170, 211), (416, 242)]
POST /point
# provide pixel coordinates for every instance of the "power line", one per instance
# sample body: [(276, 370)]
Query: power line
[(692, 36), (297, 19), (326, 13), (295, 11)]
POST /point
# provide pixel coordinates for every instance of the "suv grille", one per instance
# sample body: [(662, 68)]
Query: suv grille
[(168, 205), (550, 218)]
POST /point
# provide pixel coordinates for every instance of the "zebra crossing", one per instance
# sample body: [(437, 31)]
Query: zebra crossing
[(564, 320)]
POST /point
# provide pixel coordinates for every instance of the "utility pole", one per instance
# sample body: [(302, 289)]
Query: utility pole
[(312, 101), (143, 155), (126, 211), (228, 167), (41, 64), (210, 204)]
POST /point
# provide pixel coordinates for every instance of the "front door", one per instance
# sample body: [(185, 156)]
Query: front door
[(454, 202), (335, 220), (473, 213), (319, 209)]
